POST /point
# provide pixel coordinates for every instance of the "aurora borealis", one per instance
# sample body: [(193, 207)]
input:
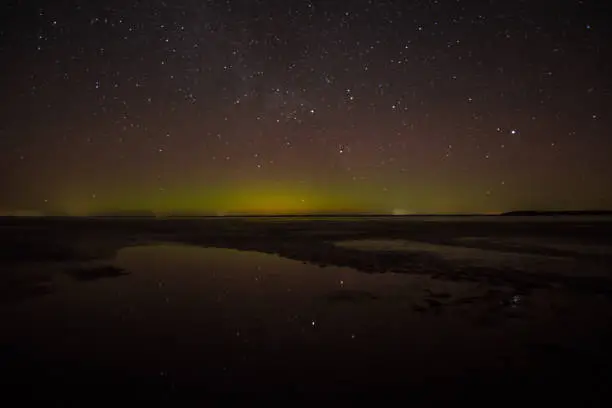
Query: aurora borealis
[(273, 107)]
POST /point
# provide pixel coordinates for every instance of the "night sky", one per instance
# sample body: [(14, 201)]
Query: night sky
[(305, 106)]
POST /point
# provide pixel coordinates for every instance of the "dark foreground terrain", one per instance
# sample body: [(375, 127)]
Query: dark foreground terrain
[(427, 310)]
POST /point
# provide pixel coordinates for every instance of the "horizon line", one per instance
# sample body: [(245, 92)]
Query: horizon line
[(152, 214)]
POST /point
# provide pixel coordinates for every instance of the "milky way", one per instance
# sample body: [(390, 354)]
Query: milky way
[(304, 106)]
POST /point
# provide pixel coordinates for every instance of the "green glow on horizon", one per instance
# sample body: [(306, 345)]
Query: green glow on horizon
[(385, 195), (264, 199)]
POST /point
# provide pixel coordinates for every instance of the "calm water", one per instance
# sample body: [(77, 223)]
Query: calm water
[(225, 320)]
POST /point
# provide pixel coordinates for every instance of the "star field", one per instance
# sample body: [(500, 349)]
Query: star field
[(304, 106)]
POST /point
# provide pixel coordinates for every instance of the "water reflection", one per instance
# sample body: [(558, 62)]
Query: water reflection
[(225, 320)]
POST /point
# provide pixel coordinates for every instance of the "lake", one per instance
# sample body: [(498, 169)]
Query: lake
[(219, 320), (184, 310)]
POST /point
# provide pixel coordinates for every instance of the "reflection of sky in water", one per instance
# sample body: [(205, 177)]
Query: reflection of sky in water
[(489, 258), (190, 312), (561, 244)]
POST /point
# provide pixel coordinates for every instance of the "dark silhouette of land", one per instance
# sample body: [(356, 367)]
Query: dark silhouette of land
[(559, 213)]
